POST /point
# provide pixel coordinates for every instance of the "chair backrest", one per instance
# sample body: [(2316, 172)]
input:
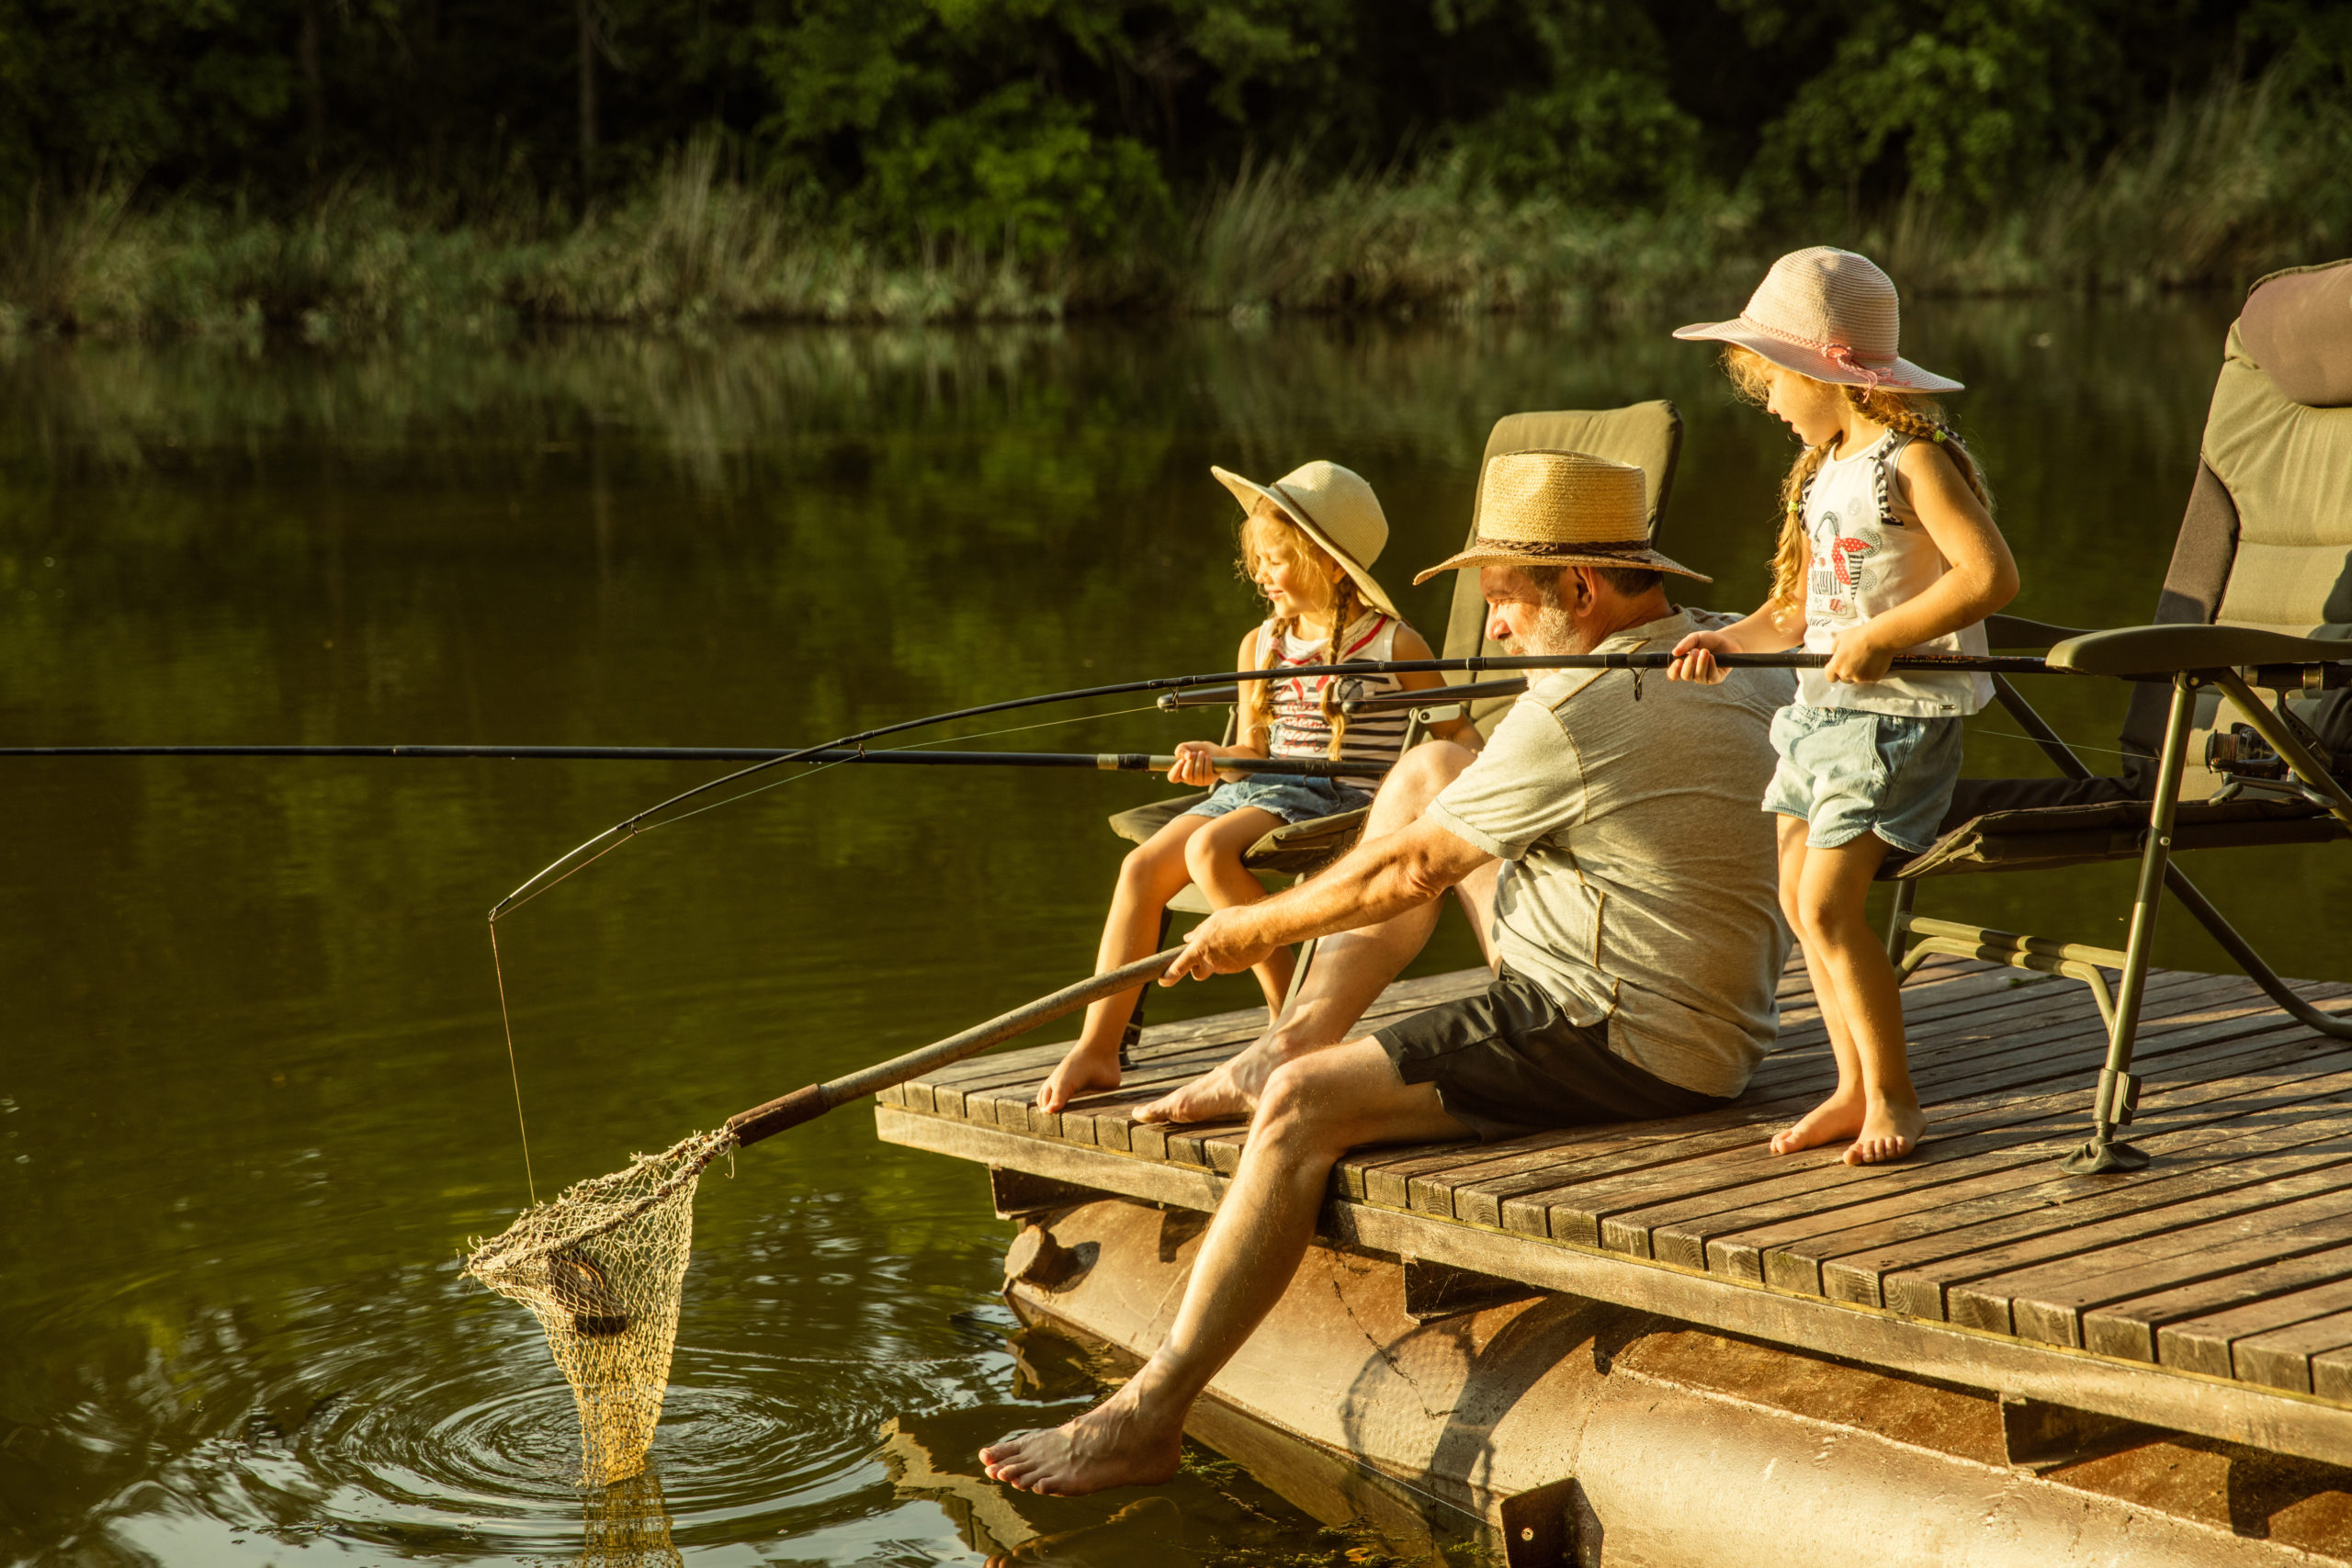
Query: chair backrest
[(2267, 538), (1648, 435)]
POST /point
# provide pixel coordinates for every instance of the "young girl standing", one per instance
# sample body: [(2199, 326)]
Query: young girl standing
[(1308, 541), (1887, 547)]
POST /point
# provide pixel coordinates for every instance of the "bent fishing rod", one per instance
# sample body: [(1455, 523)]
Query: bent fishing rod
[(573, 859), (1100, 761)]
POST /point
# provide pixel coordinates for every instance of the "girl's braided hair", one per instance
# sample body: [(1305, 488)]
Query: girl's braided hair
[(1267, 530), (1916, 414)]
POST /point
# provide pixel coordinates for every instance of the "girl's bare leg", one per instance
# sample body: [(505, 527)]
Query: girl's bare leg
[(1213, 857), (1153, 873), (1876, 1102), (1839, 1117)]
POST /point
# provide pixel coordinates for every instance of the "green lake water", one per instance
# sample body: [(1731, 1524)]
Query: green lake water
[(254, 1097)]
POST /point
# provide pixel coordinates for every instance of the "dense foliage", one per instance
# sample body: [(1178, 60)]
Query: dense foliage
[(1044, 136)]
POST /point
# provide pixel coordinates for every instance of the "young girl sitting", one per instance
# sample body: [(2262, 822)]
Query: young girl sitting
[(1308, 541), (1887, 547)]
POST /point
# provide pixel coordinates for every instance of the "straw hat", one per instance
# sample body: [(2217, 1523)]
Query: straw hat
[(1828, 314), (1335, 508), (1561, 508)]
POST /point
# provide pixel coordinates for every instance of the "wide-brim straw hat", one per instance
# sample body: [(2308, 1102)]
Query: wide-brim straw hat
[(1829, 314), (1334, 507), (1552, 509)]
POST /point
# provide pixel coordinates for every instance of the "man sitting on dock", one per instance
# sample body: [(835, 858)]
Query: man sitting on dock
[(1614, 857)]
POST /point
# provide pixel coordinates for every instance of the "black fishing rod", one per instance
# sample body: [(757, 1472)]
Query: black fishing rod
[(1947, 663), (1103, 761)]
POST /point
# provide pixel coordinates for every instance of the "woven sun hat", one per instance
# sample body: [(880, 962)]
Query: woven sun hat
[(1554, 509), (1334, 507), (1828, 314)]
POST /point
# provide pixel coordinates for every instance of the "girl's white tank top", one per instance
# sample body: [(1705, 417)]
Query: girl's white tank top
[(1300, 728), (1870, 554)]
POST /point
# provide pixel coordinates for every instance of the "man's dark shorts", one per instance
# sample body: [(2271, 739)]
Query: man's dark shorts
[(1507, 1062)]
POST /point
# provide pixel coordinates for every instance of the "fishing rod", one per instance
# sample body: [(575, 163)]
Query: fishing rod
[(1103, 761), (564, 864)]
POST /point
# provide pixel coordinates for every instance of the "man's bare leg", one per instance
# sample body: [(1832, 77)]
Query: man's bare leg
[(1351, 968), (1313, 1109)]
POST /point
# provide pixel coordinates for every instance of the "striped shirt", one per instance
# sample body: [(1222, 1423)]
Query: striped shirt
[(1300, 728)]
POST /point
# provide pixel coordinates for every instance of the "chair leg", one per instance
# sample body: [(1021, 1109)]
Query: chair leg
[(1133, 1033), (1298, 972), (2119, 1090), (1899, 926), (2334, 1025)]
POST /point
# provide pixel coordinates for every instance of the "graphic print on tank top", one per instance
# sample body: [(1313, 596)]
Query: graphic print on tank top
[(1870, 554), (1842, 574), (1300, 728)]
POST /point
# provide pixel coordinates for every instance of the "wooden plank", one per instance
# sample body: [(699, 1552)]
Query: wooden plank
[(2229, 1412), (2331, 1375), (1518, 1195), (1809, 1251), (1948, 1168), (1853, 1264), (2044, 1301), (2131, 1329), (2283, 1356), (1929, 1288), (2205, 1343)]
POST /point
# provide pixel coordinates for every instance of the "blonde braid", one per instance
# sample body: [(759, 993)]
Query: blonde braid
[(1793, 555), (1347, 605)]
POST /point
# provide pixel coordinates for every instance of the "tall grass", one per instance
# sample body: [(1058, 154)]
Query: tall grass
[(2225, 187)]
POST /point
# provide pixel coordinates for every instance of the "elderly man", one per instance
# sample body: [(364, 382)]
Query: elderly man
[(1611, 847)]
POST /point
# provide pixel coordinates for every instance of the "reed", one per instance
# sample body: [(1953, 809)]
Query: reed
[(2222, 188)]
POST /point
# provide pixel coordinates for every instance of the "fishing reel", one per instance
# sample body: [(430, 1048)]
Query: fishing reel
[(2245, 760)]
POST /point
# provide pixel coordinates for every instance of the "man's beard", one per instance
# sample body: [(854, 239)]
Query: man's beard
[(1555, 632)]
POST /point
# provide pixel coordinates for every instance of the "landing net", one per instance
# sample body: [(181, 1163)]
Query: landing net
[(602, 1268)]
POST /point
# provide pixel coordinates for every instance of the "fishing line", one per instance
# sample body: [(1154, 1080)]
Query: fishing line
[(498, 965), (579, 857)]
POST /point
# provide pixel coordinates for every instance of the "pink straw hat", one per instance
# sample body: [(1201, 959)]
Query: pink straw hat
[(1829, 314)]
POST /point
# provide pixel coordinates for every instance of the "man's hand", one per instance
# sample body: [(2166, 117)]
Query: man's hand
[(1694, 658), (1222, 944), (1855, 659)]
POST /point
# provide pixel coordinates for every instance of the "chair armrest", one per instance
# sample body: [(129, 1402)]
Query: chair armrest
[(2017, 631), (2167, 650)]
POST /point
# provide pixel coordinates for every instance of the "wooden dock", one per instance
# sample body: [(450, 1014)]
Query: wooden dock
[(2210, 1294)]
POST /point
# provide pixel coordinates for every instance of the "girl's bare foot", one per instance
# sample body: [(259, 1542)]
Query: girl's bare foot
[(1081, 1072), (1888, 1132), (1112, 1445), (1838, 1117)]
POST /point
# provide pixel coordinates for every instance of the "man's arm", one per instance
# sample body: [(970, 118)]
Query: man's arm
[(1374, 881)]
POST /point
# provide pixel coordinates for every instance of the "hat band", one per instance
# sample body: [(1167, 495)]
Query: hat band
[(1564, 548), (1844, 356)]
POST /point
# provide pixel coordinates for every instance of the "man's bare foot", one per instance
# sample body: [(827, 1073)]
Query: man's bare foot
[(1837, 1118), (1081, 1072), (1888, 1132), (1112, 1445), (1215, 1096)]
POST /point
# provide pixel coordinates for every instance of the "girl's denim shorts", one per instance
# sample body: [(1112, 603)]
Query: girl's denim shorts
[(1849, 773), (1287, 795)]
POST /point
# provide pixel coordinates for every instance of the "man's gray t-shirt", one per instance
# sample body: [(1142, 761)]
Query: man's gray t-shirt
[(1639, 882)]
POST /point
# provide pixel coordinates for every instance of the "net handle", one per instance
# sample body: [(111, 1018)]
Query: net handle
[(807, 1104)]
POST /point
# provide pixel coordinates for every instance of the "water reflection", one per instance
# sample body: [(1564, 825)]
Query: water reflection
[(252, 1098)]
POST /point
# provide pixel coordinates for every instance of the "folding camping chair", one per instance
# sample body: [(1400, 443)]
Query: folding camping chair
[(1648, 435), (2259, 599)]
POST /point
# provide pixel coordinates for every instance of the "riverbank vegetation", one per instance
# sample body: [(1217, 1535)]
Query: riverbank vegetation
[(400, 165)]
